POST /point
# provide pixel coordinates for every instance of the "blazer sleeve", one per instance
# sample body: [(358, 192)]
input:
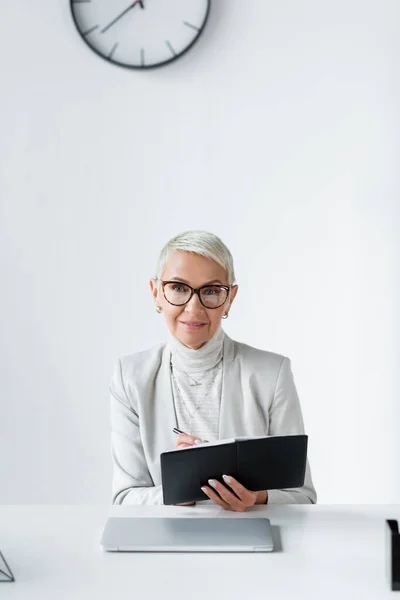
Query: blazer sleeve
[(285, 418), (132, 482)]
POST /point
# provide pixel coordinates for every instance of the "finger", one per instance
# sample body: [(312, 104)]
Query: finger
[(180, 446), (246, 496), (184, 438), (215, 498), (227, 495)]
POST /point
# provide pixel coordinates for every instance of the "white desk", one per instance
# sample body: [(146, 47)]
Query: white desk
[(328, 552)]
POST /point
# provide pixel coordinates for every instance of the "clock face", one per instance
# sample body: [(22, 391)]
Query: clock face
[(143, 33)]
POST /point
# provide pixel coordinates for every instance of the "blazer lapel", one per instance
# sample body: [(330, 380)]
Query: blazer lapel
[(164, 417), (231, 419)]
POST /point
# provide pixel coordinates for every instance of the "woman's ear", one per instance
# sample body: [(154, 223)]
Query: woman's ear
[(234, 291), (153, 288)]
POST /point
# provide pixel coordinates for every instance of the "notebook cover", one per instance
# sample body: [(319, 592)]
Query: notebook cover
[(275, 462), (184, 472), (272, 463)]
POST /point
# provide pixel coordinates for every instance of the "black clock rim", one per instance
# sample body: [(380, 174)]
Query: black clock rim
[(138, 67)]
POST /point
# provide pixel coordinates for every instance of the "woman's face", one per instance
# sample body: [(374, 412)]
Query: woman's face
[(196, 271)]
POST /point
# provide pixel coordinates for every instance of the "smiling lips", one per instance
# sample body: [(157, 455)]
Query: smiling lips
[(193, 324)]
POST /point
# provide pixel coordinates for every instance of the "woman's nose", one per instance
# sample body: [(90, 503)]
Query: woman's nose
[(194, 302)]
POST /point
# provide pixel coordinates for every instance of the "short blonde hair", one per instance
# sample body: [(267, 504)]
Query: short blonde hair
[(202, 243)]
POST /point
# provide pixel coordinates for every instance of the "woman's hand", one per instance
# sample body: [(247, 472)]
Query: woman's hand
[(184, 440), (238, 501)]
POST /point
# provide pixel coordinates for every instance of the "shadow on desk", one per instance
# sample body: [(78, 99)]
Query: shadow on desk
[(276, 536)]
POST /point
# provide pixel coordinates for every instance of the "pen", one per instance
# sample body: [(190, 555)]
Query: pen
[(198, 441)]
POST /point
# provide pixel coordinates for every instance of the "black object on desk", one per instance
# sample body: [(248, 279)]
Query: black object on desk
[(5, 571), (393, 554), (264, 463)]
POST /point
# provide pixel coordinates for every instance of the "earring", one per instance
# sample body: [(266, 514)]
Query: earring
[(159, 309), (225, 316)]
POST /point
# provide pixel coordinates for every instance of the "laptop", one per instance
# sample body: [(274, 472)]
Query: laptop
[(134, 534)]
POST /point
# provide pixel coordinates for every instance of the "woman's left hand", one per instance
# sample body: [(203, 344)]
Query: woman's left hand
[(238, 501)]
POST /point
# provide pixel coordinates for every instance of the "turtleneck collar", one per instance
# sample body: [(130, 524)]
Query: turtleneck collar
[(196, 361)]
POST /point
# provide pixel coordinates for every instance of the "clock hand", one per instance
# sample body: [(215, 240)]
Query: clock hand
[(122, 14)]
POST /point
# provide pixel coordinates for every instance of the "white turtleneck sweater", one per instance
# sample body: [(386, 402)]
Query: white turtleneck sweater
[(197, 406)]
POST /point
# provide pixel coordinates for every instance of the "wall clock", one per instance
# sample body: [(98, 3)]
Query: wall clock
[(140, 34)]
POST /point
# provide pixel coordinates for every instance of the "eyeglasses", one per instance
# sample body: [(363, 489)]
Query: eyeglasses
[(178, 294)]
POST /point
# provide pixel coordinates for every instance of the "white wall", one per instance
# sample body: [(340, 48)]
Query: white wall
[(279, 132)]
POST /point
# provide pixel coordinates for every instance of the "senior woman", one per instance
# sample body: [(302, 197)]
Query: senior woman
[(200, 381)]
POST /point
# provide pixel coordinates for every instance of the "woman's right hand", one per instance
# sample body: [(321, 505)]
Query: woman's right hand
[(184, 440)]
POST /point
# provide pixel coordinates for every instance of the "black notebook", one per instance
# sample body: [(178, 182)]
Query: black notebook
[(258, 463)]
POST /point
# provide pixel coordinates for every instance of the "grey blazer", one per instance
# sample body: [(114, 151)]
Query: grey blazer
[(259, 397)]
